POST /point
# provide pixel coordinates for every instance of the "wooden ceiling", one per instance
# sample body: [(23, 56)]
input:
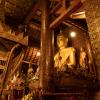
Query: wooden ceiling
[(28, 12), (17, 10)]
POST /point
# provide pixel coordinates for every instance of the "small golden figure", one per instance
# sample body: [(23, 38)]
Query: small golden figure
[(83, 59)]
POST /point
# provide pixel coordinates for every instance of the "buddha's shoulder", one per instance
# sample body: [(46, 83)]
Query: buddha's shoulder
[(55, 56), (69, 49), (63, 51)]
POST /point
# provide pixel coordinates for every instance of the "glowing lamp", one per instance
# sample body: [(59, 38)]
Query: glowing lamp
[(73, 34), (38, 53)]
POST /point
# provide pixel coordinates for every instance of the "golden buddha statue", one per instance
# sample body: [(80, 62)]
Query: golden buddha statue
[(65, 56)]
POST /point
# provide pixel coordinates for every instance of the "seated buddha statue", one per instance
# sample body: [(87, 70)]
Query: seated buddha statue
[(65, 57)]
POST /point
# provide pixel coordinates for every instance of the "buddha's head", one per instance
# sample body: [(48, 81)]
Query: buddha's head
[(82, 49), (61, 41)]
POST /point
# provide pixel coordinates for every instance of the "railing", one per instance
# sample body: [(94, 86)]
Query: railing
[(64, 96), (78, 73)]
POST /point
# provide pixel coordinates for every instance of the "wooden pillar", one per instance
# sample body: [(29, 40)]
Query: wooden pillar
[(92, 67), (72, 98), (46, 59)]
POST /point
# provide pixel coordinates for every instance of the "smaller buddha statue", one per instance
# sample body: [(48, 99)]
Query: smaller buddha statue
[(83, 59), (65, 56)]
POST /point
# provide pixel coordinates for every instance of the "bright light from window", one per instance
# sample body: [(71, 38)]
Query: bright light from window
[(73, 34), (38, 53)]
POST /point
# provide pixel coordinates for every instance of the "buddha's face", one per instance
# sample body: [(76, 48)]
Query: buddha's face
[(81, 49), (61, 42)]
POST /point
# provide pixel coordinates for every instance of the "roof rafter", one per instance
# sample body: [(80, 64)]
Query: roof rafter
[(74, 6), (32, 13)]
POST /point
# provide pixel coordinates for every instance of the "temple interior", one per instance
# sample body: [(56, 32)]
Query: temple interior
[(49, 49)]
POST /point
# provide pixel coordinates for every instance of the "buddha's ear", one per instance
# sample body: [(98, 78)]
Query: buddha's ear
[(66, 40)]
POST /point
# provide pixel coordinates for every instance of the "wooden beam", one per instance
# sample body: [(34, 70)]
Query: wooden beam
[(32, 13), (7, 44), (73, 7), (79, 15), (16, 38), (55, 8), (13, 4), (63, 94), (73, 25), (35, 26)]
